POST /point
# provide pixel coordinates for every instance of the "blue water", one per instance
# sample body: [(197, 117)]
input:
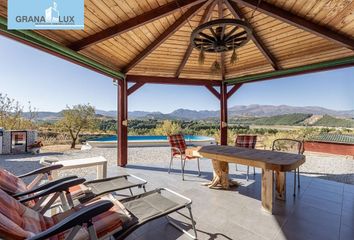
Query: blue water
[(152, 138)]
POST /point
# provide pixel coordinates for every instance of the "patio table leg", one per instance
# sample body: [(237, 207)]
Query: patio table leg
[(221, 176), (280, 185), (267, 190)]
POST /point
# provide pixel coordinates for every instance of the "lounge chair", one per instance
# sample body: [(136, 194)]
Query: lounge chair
[(15, 186), (102, 217), (178, 150), (246, 141), (291, 146)]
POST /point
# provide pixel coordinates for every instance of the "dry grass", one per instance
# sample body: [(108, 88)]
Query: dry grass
[(59, 148)]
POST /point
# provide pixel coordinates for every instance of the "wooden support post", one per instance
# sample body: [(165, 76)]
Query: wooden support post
[(122, 123), (135, 87), (223, 114), (267, 190), (213, 91), (233, 90), (280, 185)]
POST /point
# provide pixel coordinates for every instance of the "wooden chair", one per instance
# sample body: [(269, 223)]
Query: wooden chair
[(178, 150), (290, 146), (246, 141)]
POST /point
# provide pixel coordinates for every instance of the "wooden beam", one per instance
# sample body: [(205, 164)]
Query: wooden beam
[(132, 23), (172, 80), (189, 50), (135, 87), (122, 111), (213, 91), (236, 11), (165, 35), (311, 68), (233, 90), (299, 22)]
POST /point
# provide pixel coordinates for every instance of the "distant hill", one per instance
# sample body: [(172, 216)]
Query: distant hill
[(286, 119), (254, 110), (329, 121)]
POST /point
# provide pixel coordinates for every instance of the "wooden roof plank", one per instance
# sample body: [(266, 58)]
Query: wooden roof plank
[(166, 34), (299, 22), (133, 23), (255, 38), (189, 50)]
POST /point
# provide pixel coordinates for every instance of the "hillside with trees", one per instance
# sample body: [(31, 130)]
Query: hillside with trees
[(329, 121)]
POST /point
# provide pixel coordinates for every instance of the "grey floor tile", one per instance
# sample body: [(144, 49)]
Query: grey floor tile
[(299, 229), (315, 215), (347, 233), (322, 204), (325, 195), (237, 214)]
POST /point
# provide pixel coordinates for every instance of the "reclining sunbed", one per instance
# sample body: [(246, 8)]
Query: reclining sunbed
[(15, 186), (98, 218)]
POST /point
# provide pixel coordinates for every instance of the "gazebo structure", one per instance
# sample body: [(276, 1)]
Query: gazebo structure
[(148, 42)]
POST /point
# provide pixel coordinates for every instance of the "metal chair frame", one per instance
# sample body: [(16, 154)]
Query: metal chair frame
[(300, 151), (183, 158)]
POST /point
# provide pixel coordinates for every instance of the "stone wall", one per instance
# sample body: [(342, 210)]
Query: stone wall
[(31, 137), (6, 141)]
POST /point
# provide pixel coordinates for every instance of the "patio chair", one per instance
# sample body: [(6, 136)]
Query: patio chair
[(246, 141), (100, 218), (291, 146), (178, 150)]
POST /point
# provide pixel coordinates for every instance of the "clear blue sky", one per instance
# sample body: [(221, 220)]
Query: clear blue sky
[(50, 83)]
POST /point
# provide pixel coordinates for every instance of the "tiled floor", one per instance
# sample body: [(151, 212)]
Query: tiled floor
[(321, 210)]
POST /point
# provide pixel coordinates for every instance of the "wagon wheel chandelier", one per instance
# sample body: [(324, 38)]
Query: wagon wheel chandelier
[(219, 36)]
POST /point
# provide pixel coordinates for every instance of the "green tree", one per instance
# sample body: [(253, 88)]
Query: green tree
[(76, 119), (168, 127), (12, 116)]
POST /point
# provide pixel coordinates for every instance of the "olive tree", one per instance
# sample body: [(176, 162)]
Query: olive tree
[(12, 115), (168, 127), (76, 119)]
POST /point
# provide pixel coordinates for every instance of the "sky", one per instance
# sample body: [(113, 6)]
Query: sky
[(51, 83)]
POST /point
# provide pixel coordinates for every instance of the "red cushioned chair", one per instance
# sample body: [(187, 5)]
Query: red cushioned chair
[(178, 150), (246, 141)]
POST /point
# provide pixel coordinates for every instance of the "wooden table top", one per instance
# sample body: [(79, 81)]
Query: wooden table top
[(266, 159)]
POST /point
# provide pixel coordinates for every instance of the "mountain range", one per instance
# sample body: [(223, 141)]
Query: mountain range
[(254, 110)]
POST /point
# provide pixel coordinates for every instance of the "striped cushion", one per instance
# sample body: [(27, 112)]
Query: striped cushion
[(20, 221), (246, 141), (106, 223), (11, 183), (177, 141)]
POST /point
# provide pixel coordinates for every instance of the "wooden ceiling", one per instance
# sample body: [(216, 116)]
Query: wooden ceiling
[(151, 37)]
